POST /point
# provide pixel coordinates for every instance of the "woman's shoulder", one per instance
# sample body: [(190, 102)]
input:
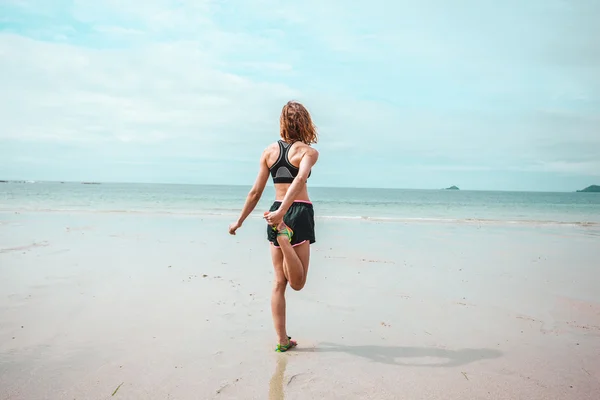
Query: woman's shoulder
[(308, 149), (272, 147), (300, 147), (272, 150)]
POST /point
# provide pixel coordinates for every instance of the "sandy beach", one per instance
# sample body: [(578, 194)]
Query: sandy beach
[(143, 306)]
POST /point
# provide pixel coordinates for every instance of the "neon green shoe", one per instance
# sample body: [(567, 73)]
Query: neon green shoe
[(282, 348), (286, 231)]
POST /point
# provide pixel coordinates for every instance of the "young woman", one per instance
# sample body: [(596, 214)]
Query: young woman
[(291, 227)]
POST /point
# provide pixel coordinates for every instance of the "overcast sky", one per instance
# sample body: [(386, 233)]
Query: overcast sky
[(481, 94)]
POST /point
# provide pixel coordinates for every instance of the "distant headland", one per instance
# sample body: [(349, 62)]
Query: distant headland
[(452, 188), (590, 189)]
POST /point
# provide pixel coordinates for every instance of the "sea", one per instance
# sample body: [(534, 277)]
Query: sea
[(408, 205)]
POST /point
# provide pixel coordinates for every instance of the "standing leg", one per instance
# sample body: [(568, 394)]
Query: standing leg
[(278, 295)]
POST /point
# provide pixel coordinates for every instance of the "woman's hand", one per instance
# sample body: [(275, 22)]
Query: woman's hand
[(234, 227), (274, 218)]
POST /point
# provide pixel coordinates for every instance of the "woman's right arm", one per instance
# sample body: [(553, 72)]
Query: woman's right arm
[(308, 161), (257, 189)]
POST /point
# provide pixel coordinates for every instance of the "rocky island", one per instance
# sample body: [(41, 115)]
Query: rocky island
[(453, 188), (590, 189)]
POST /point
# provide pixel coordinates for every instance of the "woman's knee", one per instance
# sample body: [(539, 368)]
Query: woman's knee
[(279, 285), (297, 286)]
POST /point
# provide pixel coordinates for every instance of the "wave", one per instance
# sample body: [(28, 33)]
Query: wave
[(5, 181), (479, 221), (372, 219)]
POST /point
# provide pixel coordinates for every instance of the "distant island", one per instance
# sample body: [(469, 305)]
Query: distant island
[(590, 189), (453, 188)]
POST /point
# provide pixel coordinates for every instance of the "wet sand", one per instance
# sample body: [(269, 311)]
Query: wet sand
[(109, 306)]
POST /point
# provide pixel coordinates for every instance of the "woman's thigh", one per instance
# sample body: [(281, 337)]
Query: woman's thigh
[(303, 252)]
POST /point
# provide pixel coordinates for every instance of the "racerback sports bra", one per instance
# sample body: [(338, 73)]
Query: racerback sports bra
[(282, 171)]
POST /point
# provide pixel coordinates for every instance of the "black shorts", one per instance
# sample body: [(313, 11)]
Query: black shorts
[(300, 217)]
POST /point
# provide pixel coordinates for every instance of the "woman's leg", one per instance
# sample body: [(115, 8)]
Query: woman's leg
[(295, 262), (301, 252), (278, 295)]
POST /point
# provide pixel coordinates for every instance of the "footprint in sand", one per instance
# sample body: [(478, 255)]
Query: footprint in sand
[(377, 261), (225, 386), (26, 247), (526, 318)]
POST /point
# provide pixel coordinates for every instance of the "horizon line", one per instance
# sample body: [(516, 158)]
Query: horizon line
[(250, 185)]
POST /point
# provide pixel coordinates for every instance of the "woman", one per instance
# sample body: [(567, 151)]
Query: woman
[(291, 217)]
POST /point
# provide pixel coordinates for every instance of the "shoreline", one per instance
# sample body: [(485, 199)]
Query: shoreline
[(258, 215)]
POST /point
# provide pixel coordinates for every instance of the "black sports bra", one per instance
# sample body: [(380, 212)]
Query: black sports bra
[(282, 171)]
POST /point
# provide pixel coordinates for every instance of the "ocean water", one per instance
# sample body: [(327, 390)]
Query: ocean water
[(378, 204)]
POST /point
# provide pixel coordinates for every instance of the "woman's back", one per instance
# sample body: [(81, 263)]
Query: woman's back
[(283, 160)]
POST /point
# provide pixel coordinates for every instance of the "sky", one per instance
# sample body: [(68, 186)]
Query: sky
[(482, 94)]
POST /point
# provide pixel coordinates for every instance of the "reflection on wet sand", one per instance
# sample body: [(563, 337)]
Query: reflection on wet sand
[(276, 383)]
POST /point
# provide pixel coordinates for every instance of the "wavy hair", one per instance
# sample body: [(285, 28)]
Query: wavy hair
[(295, 124)]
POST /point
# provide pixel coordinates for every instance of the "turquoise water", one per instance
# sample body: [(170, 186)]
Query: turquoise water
[(399, 204)]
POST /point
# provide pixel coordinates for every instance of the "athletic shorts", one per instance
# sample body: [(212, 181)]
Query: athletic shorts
[(300, 217)]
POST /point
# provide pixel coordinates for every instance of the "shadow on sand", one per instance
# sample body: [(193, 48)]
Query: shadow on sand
[(392, 355)]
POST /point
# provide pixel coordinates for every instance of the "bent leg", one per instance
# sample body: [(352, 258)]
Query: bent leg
[(278, 295), (295, 262), (303, 253)]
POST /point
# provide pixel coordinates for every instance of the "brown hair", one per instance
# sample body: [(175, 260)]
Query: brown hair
[(295, 124)]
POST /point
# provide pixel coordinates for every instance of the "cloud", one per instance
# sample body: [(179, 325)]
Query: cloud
[(158, 92), (430, 87), (591, 168)]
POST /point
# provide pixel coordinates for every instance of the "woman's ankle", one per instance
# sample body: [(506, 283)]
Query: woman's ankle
[(284, 341)]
